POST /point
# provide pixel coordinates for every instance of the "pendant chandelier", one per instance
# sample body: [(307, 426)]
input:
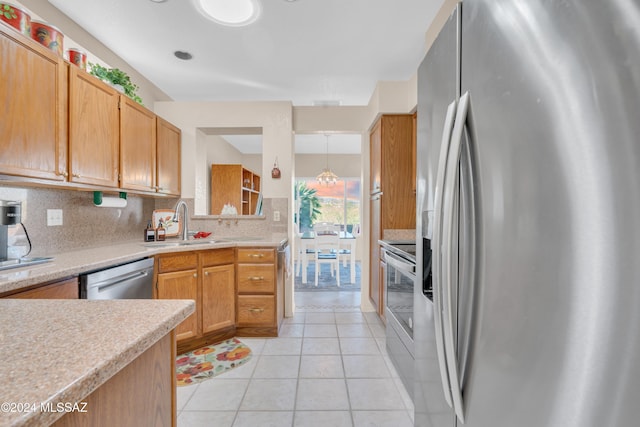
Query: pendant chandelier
[(327, 176)]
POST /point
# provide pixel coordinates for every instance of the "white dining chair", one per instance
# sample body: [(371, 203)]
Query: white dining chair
[(345, 246), (325, 227), (326, 252)]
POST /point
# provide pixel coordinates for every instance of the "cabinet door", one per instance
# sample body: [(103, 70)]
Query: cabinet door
[(94, 130), (218, 298), (137, 146), (398, 209), (374, 254), (64, 289), (33, 128), (168, 158), (181, 285), (375, 155)]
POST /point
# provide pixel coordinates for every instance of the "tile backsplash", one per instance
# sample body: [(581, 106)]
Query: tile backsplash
[(85, 225)]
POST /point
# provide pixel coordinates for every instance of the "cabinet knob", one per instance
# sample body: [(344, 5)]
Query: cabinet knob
[(195, 274), (75, 175), (206, 273)]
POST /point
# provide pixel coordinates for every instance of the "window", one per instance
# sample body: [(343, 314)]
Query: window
[(339, 203)]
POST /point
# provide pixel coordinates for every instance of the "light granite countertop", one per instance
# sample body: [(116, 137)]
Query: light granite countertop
[(60, 351), (73, 263)]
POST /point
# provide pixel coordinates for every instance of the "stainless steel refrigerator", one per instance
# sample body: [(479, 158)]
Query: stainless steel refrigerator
[(529, 208)]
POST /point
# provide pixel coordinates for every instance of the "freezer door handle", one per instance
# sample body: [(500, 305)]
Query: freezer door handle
[(436, 251), (450, 267)]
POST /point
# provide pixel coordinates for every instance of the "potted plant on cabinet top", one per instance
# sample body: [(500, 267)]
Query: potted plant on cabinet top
[(116, 77)]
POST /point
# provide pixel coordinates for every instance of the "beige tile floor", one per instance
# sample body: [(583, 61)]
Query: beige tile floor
[(329, 367)]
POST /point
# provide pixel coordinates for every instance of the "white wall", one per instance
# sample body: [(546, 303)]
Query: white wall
[(277, 136), (343, 165)]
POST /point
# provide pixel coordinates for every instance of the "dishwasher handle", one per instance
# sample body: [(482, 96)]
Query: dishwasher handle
[(119, 280)]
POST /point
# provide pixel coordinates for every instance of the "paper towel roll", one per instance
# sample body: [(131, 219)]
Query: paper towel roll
[(112, 202)]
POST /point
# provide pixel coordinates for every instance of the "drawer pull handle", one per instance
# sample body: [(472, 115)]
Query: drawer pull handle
[(256, 278), (256, 310), (256, 255)]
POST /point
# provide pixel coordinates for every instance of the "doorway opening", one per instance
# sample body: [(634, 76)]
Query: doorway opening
[(322, 210)]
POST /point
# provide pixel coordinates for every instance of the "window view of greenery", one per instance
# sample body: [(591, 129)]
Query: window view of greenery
[(338, 203)]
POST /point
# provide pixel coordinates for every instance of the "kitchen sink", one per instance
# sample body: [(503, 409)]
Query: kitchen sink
[(178, 243), (242, 239)]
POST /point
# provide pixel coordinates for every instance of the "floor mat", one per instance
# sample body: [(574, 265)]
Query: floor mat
[(211, 360)]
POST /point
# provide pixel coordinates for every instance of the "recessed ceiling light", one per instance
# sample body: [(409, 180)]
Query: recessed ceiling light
[(183, 55), (158, 1), (234, 13)]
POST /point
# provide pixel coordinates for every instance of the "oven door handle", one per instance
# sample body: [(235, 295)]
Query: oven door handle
[(400, 264)]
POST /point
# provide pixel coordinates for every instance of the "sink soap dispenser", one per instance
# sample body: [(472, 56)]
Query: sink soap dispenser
[(149, 233), (161, 232)]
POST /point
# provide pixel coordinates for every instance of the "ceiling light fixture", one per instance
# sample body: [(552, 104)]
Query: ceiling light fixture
[(234, 13), (327, 176)]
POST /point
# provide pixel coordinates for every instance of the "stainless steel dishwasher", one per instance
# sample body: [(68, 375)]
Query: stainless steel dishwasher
[(133, 280)]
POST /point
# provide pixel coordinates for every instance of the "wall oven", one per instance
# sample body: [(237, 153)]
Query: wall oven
[(399, 266)]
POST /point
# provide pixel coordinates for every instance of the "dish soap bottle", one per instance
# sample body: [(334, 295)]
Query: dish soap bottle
[(161, 232), (149, 233)]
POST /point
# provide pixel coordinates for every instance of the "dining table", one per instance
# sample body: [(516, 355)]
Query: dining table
[(347, 241)]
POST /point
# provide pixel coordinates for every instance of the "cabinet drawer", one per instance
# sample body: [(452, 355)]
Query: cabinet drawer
[(256, 255), (177, 262), (217, 257), (256, 310), (256, 279)]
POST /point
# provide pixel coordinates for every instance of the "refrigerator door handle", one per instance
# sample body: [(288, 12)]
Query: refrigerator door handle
[(448, 224), (436, 251)]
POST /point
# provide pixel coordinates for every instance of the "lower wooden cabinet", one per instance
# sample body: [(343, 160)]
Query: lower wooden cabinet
[(218, 298), (63, 289), (181, 285), (208, 278), (259, 313), (142, 393), (236, 290), (256, 310)]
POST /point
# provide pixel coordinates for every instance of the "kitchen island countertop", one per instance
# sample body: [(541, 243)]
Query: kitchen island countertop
[(84, 260), (59, 351)]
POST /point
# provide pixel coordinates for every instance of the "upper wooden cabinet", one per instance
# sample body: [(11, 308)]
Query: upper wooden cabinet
[(33, 128), (168, 155), (137, 146), (94, 123), (393, 201), (392, 170), (63, 124)]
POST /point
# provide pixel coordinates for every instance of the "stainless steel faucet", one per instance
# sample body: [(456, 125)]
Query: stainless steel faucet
[(185, 218)]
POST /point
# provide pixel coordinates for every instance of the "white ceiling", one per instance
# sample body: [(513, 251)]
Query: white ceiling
[(303, 51)]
